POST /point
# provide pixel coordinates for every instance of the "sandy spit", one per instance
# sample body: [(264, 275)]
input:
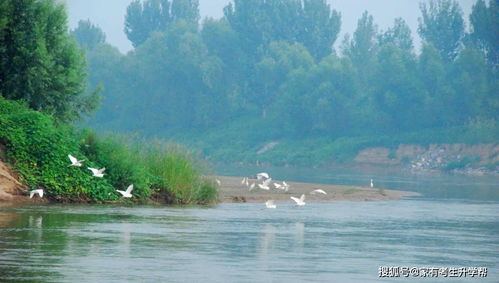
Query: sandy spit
[(231, 190)]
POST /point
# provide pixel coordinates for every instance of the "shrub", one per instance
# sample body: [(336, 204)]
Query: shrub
[(38, 150)]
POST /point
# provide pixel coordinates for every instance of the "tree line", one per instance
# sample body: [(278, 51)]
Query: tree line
[(271, 65)]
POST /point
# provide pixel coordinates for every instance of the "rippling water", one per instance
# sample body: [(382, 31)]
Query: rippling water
[(320, 242)]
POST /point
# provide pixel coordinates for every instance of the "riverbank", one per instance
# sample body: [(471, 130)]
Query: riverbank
[(231, 190)]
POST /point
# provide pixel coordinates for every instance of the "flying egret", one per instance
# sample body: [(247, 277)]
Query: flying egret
[(372, 184), (318, 191), (262, 175), (33, 192), (99, 173), (127, 193), (278, 186), (263, 187), (270, 204), (299, 201), (74, 161), (252, 186), (265, 184)]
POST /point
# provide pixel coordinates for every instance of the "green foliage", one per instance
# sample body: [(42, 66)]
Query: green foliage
[(122, 161), (143, 19), (176, 175), (461, 163), (39, 150), (266, 72), (442, 25), (88, 35), (399, 35), (40, 62), (485, 28), (312, 23)]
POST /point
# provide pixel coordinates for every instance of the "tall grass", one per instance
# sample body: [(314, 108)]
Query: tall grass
[(176, 175), (164, 171)]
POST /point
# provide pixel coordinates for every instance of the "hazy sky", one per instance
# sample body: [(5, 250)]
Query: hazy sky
[(109, 15)]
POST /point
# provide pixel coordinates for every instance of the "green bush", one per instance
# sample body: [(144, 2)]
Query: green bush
[(38, 150), (123, 162)]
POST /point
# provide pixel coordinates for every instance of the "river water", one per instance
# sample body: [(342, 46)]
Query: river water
[(454, 225)]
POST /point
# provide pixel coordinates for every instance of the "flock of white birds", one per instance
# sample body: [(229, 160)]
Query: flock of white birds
[(98, 173), (263, 177), (267, 184)]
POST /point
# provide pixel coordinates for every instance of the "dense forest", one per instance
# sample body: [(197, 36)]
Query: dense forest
[(267, 71)]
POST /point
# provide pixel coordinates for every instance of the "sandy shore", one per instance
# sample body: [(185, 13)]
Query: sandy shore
[(231, 190)]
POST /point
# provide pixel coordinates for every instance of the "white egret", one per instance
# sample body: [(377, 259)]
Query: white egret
[(278, 186), (252, 186), (265, 184), (127, 193), (263, 187), (299, 201), (218, 182), (74, 161), (372, 184), (318, 191), (262, 175), (243, 181), (270, 204), (285, 186), (97, 172), (33, 192)]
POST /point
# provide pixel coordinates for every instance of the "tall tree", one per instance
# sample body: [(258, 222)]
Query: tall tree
[(399, 35), (312, 23), (442, 25), (144, 18), (40, 62), (485, 29), (88, 35), (319, 28), (362, 47)]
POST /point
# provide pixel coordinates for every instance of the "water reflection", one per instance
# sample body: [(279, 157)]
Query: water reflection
[(299, 236), (327, 242), (268, 239)]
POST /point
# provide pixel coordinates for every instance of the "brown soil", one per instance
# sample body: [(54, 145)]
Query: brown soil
[(11, 190), (231, 190)]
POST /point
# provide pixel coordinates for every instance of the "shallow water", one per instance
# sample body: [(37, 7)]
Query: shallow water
[(320, 242)]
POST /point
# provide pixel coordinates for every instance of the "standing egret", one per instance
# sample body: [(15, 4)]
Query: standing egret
[(252, 186), (218, 182), (372, 184), (285, 186)]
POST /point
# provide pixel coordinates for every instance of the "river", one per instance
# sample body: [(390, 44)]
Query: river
[(453, 225)]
